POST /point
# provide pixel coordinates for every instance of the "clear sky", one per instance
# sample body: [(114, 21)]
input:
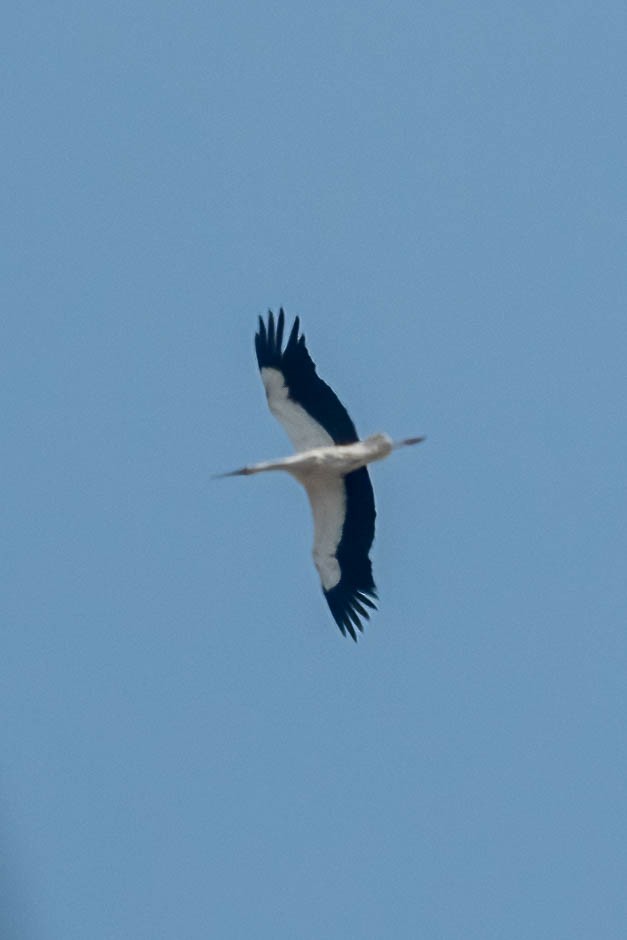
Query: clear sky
[(190, 749)]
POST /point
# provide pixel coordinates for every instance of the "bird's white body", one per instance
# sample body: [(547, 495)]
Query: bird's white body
[(321, 471), (323, 463)]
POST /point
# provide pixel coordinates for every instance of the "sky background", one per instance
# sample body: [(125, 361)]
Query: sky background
[(189, 748)]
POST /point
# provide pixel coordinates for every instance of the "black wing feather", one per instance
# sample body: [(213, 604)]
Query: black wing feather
[(304, 385), (356, 586)]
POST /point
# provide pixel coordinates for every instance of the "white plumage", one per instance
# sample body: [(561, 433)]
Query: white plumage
[(330, 462)]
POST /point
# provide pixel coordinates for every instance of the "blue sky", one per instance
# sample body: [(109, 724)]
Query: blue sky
[(190, 748)]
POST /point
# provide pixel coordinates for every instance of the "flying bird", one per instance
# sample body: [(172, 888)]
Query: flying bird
[(331, 463)]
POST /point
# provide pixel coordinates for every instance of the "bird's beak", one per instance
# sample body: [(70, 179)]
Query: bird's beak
[(411, 440)]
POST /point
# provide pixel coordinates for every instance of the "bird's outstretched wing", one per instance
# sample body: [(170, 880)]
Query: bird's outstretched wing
[(308, 409), (344, 517), (343, 507)]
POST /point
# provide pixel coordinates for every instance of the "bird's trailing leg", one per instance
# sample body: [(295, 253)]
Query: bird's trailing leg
[(283, 464), (245, 471)]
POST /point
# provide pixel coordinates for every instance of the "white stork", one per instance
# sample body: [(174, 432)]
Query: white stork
[(330, 461)]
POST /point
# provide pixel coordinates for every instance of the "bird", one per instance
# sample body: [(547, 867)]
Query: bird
[(331, 463)]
